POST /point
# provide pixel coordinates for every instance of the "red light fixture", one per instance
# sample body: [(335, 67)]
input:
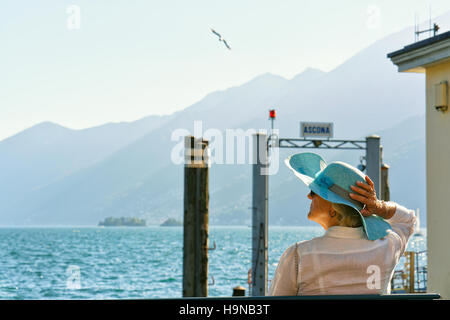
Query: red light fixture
[(272, 114)]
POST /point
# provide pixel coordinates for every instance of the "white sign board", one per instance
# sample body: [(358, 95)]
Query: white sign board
[(316, 129)]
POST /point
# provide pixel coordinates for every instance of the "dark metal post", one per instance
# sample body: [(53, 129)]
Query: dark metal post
[(259, 215), (196, 207), (373, 161)]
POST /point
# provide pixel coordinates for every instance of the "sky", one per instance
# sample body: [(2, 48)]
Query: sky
[(83, 63)]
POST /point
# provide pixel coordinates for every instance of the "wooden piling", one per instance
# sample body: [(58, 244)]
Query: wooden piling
[(196, 216)]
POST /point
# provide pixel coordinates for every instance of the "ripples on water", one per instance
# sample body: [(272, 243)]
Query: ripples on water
[(126, 263)]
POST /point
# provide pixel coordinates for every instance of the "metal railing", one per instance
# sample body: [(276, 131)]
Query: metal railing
[(411, 277)]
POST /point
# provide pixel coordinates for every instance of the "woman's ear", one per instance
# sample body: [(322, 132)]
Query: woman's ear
[(332, 213)]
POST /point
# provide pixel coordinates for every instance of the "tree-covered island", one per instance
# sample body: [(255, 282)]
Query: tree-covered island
[(122, 222)]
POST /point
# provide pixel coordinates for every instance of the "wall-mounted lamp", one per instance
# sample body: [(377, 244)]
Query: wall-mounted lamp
[(317, 143), (441, 96)]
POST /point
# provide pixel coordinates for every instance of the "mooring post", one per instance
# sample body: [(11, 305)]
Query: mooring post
[(385, 190), (373, 161), (238, 291), (259, 214), (384, 176), (196, 207)]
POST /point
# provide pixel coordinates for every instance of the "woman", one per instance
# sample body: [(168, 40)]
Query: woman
[(363, 241)]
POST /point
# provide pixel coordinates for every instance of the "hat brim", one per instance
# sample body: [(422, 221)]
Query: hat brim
[(306, 166)]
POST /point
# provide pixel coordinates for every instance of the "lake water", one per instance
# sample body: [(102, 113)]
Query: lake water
[(128, 263)]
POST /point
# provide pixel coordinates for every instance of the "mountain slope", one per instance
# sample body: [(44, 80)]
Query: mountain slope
[(363, 96), (48, 152)]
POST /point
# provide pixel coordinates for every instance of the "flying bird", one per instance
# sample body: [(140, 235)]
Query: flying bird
[(221, 39)]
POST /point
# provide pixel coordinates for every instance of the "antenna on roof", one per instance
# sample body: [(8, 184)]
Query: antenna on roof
[(429, 22), (417, 32), (415, 27)]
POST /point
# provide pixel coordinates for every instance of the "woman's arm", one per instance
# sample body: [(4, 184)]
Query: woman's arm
[(403, 223), (401, 219)]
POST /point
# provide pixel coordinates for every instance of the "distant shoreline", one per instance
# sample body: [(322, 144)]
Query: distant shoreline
[(155, 226)]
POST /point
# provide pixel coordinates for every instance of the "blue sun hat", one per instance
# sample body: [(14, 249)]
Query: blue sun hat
[(332, 182)]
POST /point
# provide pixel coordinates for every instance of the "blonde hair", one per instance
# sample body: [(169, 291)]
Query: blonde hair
[(347, 216)]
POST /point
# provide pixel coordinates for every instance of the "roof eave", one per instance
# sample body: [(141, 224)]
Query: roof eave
[(418, 56)]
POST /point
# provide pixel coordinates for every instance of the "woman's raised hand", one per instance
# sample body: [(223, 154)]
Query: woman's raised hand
[(366, 195)]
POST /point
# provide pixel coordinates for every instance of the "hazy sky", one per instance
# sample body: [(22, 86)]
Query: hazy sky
[(126, 59)]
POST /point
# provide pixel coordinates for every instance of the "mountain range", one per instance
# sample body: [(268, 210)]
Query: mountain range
[(52, 175)]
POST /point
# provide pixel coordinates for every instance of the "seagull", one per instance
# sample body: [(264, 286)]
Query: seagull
[(220, 38)]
